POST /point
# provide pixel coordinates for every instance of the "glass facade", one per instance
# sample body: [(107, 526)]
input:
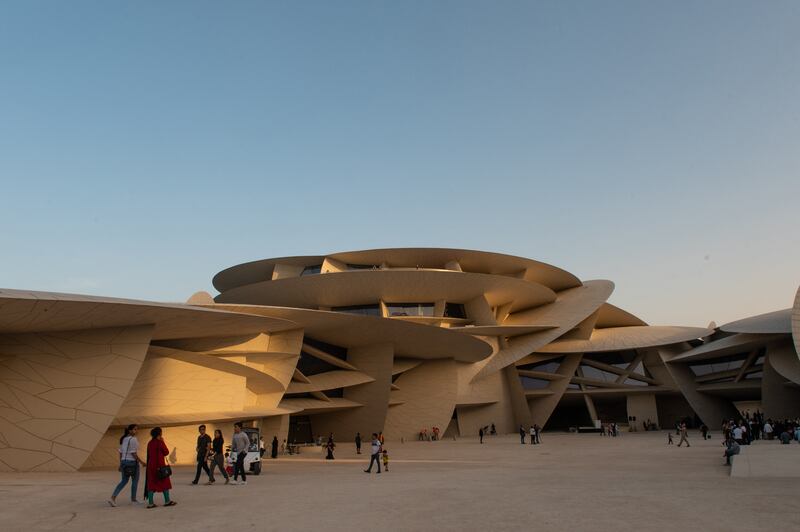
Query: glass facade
[(410, 309), (529, 383), (365, 310), (311, 270)]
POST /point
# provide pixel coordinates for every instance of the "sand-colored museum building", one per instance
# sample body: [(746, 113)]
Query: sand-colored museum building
[(392, 340)]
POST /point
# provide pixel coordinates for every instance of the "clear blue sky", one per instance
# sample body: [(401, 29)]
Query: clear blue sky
[(144, 146)]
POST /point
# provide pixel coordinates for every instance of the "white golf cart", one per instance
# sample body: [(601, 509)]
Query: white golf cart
[(252, 461)]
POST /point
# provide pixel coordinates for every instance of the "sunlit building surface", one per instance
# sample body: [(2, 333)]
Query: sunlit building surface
[(392, 340)]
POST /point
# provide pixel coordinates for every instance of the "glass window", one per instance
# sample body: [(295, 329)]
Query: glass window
[(311, 270), (590, 372), (454, 310), (634, 382), (410, 309), (530, 383), (365, 310), (362, 267)]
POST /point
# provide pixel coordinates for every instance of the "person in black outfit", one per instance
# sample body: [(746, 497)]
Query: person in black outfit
[(203, 446), (358, 443), (480, 434), (522, 435), (218, 459), (274, 450)]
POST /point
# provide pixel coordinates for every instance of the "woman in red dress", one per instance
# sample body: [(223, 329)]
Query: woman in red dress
[(157, 452)]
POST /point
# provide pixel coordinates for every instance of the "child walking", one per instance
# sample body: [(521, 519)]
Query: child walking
[(385, 460)]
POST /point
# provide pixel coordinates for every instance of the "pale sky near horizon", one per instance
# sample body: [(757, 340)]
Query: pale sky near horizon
[(144, 146)]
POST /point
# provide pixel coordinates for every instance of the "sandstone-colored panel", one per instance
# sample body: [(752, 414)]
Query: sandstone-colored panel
[(17, 437), (375, 361), (120, 366), (55, 465), (711, 409), (426, 398), (44, 409), (48, 429), (62, 379), (103, 402), (54, 430), (23, 459), (72, 456), (69, 397), (98, 422)]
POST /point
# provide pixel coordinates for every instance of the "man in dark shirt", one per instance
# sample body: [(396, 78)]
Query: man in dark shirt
[(203, 447), (358, 443)]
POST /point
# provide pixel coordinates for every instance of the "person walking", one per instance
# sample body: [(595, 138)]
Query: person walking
[(358, 443), (536, 430), (128, 464), (203, 448), (683, 433), (375, 454), (329, 447), (239, 445), (385, 460), (533, 434), (158, 472), (274, 450), (480, 434), (522, 435), (218, 456)]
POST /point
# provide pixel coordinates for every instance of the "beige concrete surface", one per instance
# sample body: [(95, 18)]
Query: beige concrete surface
[(767, 459), (570, 482)]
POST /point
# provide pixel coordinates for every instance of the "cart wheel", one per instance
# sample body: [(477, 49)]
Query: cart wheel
[(257, 468)]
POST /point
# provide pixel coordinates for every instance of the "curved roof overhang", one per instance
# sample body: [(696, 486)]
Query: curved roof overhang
[(433, 258), (624, 338), (352, 330), (362, 287), (24, 311), (777, 322)]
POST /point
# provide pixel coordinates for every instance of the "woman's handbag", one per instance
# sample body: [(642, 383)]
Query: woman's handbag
[(164, 472), (127, 469)]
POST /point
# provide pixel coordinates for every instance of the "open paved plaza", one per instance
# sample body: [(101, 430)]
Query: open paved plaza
[(569, 482)]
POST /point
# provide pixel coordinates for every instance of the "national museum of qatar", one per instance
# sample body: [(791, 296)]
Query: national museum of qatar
[(390, 340)]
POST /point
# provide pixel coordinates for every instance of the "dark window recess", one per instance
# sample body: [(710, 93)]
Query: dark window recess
[(410, 309), (304, 395), (300, 430), (573, 386), (548, 366), (365, 310), (756, 375), (338, 392), (720, 364), (362, 267), (395, 377), (311, 365), (530, 383), (311, 270), (333, 350), (454, 310)]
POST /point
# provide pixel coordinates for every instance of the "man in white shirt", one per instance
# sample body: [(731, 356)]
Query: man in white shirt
[(375, 453), (768, 430), (737, 434)]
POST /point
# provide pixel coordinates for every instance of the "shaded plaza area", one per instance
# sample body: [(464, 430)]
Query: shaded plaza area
[(570, 481)]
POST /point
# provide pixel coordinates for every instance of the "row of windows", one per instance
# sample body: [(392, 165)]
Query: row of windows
[(451, 310)]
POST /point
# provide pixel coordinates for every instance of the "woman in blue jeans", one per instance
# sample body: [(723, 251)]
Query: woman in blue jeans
[(128, 463)]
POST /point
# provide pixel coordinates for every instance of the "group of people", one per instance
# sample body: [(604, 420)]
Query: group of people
[(609, 429), (424, 435), (157, 472), (210, 456), (535, 432)]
